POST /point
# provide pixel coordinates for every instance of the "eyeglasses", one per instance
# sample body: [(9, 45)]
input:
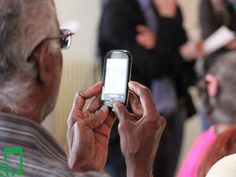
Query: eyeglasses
[(65, 38)]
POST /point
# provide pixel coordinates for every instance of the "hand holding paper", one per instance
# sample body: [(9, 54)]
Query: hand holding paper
[(217, 40)]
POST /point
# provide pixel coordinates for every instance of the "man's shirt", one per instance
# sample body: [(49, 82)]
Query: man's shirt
[(27, 149)]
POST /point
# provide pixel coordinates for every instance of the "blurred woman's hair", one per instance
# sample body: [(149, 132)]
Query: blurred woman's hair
[(224, 145), (222, 107)]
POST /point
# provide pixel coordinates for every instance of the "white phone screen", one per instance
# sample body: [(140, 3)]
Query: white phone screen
[(116, 79)]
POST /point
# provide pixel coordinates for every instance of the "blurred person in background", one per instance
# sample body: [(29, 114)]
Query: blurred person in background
[(218, 90), (224, 145), (152, 31), (213, 14), (30, 74)]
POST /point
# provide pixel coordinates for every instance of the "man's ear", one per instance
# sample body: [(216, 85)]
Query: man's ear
[(212, 85), (44, 63)]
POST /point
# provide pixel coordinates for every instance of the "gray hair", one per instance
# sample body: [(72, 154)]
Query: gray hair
[(222, 108), (24, 24)]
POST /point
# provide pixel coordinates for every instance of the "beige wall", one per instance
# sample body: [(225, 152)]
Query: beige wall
[(80, 67), (190, 12)]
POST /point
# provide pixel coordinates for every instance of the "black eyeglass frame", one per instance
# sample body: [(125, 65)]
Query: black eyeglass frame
[(65, 38)]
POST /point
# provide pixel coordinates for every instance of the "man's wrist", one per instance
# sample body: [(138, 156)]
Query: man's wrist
[(139, 170)]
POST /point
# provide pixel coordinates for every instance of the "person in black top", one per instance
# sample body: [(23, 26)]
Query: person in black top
[(152, 31)]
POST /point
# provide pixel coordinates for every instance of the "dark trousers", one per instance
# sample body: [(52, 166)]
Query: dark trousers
[(170, 146), (115, 165)]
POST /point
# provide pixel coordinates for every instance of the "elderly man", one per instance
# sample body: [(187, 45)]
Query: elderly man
[(30, 73)]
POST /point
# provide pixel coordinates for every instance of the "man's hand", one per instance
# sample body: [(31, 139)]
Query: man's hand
[(192, 50), (140, 131), (166, 8), (88, 131), (231, 45), (146, 38)]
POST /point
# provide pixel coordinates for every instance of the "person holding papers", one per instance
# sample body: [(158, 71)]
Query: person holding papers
[(213, 15), (218, 27)]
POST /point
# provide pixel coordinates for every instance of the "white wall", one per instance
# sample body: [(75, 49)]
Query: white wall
[(87, 13)]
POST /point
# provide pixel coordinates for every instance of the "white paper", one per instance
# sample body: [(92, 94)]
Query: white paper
[(218, 40)]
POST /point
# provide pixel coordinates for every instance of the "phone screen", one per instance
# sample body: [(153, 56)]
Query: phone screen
[(116, 79), (117, 74)]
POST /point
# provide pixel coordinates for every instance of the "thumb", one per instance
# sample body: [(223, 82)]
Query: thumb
[(120, 111), (99, 117), (141, 28)]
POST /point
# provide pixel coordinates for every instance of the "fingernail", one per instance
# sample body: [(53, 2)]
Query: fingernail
[(117, 105), (104, 108), (130, 83), (81, 93)]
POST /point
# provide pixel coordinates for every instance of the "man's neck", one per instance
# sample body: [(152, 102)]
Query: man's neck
[(224, 120), (30, 115)]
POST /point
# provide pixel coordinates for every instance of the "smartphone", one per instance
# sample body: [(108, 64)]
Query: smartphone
[(116, 75)]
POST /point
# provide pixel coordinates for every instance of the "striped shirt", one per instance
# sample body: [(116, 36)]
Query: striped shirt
[(42, 156)]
